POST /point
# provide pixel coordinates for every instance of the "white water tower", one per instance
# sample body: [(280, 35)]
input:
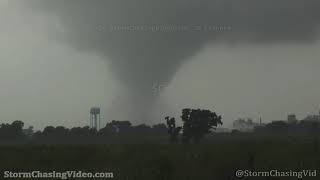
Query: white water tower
[(95, 118)]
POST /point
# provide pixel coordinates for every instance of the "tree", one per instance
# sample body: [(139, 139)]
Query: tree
[(61, 131), (141, 130), (122, 127), (49, 130), (197, 123), (11, 131), (108, 130), (18, 125), (172, 129), (80, 131), (16, 128)]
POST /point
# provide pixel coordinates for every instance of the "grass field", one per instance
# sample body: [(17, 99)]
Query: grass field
[(213, 161)]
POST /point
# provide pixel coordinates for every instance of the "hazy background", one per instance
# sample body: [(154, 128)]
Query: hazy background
[(53, 69)]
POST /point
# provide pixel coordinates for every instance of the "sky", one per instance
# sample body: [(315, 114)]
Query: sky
[(60, 58)]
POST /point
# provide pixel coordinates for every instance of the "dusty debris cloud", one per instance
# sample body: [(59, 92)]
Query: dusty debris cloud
[(142, 58)]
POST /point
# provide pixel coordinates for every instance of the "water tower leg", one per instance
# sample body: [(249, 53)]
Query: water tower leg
[(90, 121), (95, 122), (99, 122)]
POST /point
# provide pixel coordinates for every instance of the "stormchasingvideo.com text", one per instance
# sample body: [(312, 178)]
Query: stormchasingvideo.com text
[(57, 175)]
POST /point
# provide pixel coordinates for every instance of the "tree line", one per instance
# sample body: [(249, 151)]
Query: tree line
[(196, 124)]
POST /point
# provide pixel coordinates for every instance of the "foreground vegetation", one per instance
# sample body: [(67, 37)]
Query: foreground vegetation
[(164, 151), (215, 160)]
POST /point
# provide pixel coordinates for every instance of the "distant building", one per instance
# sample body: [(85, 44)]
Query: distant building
[(292, 119), (314, 118), (222, 130), (246, 125)]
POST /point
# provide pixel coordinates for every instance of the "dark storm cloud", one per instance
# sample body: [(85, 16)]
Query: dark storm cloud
[(141, 56)]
